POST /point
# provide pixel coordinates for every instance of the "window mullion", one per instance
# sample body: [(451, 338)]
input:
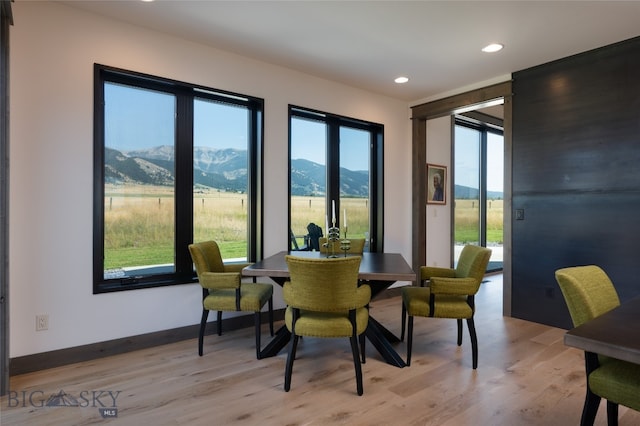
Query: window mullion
[(483, 187), (254, 190), (376, 181), (184, 184), (333, 167)]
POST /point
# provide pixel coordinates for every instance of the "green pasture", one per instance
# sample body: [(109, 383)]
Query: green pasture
[(467, 222), (305, 210), (139, 223)]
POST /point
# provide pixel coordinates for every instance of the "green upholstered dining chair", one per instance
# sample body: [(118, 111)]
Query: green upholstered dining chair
[(324, 300), (223, 290), (589, 293), (356, 246), (450, 294)]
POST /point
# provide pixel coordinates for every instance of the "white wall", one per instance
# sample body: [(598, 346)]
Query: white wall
[(53, 49), (439, 216)]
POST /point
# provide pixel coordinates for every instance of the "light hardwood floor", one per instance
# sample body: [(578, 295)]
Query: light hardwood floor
[(526, 376)]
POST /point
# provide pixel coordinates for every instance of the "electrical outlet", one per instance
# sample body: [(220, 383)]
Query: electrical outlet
[(42, 322)]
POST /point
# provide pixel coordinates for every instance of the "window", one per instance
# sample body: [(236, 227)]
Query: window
[(335, 168), (174, 163), (478, 188)]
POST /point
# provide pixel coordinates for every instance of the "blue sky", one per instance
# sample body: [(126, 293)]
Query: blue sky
[(467, 154), (309, 140), (141, 121), (147, 120)]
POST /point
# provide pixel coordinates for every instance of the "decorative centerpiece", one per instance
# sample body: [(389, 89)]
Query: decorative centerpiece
[(333, 234)]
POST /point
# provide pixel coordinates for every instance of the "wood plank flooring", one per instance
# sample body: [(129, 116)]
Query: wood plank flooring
[(526, 376)]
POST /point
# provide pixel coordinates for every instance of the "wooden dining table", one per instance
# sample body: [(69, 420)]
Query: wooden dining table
[(615, 333), (378, 270)]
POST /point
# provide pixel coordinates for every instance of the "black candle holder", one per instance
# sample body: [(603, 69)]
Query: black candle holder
[(333, 235)]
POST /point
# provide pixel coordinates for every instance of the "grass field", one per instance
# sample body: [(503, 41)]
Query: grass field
[(305, 210), (467, 222), (139, 222)]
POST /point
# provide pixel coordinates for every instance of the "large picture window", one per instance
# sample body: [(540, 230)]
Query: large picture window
[(335, 169), (174, 163)]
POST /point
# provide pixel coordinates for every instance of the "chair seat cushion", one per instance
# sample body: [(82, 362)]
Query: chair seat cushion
[(253, 296), (617, 381), (326, 324), (416, 300)]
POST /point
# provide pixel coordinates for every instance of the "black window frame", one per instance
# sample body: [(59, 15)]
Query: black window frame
[(376, 172), (185, 94)]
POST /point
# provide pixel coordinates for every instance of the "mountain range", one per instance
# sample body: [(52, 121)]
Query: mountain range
[(226, 170), (223, 169), (467, 193)]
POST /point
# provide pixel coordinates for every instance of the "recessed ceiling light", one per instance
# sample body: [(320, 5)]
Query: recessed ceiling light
[(493, 47), (401, 79)]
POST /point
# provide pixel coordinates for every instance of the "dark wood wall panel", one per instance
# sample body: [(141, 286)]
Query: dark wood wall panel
[(566, 230), (576, 175)]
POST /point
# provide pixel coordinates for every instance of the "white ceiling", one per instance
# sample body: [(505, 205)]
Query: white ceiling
[(367, 44)]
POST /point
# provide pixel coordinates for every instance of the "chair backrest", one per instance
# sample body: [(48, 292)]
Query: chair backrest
[(473, 262), (206, 256), (588, 292), (315, 232), (356, 246), (293, 243), (324, 285)]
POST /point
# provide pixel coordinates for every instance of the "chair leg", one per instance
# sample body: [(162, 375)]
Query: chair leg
[(459, 332), (362, 351), (409, 340), (404, 319), (289, 366), (356, 363), (612, 413), (256, 320), (219, 323), (271, 315), (474, 341), (590, 409), (203, 324)]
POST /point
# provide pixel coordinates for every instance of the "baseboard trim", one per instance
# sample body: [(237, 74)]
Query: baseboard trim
[(58, 358), (45, 360)]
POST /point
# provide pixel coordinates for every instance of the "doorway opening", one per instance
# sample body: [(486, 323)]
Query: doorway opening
[(478, 183)]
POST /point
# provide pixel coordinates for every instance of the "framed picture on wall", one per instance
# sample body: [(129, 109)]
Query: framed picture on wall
[(436, 184)]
